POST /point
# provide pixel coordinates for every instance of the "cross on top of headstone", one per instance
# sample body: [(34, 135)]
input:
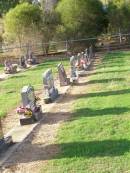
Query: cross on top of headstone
[(28, 97)]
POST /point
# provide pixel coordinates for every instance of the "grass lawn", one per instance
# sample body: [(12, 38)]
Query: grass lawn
[(97, 139), (1, 68), (10, 88)]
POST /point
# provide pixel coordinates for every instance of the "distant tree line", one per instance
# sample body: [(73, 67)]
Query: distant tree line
[(69, 19)]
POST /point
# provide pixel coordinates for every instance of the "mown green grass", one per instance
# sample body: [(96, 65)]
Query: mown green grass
[(1, 68), (10, 89), (97, 139)]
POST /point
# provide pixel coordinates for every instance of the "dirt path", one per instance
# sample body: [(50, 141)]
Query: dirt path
[(39, 146)]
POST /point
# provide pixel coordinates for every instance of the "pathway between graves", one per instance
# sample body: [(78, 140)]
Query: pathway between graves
[(34, 152)]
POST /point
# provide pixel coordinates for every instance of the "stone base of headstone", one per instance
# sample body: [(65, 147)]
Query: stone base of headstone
[(82, 73), (65, 83), (27, 121), (30, 120), (52, 96), (5, 143), (74, 80)]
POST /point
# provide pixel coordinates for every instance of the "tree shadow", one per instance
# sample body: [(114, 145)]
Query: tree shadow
[(105, 148), (94, 94), (106, 93), (17, 77), (101, 81), (112, 71), (87, 112)]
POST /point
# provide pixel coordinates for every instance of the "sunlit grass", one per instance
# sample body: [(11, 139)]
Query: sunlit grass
[(97, 139), (10, 89)]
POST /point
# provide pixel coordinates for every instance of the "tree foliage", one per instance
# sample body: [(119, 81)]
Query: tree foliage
[(119, 15), (21, 21), (5, 5), (82, 18)]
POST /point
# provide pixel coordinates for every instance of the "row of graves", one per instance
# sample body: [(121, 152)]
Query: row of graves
[(30, 111), (24, 62)]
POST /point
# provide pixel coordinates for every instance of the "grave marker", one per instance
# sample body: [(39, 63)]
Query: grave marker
[(30, 110), (64, 81), (50, 92), (74, 72), (22, 62)]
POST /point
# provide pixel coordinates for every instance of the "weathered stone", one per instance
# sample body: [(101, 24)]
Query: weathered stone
[(50, 92), (64, 81), (30, 111)]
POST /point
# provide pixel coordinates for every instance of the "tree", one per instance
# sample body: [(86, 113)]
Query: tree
[(50, 21), (5, 5), (80, 19), (22, 21), (118, 16)]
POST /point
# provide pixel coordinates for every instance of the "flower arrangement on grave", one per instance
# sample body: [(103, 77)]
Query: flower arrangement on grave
[(24, 110), (37, 98)]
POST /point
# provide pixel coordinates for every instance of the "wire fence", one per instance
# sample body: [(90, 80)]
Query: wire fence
[(100, 43)]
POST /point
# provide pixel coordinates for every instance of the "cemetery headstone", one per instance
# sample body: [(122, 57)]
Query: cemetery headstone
[(22, 62), (91, 52), (9, 67), (74, 72), (64, 81), (50, 92), (31, 59), (5, 142), (30, 111)]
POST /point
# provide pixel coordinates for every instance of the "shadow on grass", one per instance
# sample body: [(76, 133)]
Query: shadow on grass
[(101, 81), (105, 93), (18, 77), (113, 71), (96, 94), (49, 64), (95, 148), (105, 148), (87, 112)]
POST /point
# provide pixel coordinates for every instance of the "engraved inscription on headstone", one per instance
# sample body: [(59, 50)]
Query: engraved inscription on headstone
[(64, 81), (30, 111), (50, 92)]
